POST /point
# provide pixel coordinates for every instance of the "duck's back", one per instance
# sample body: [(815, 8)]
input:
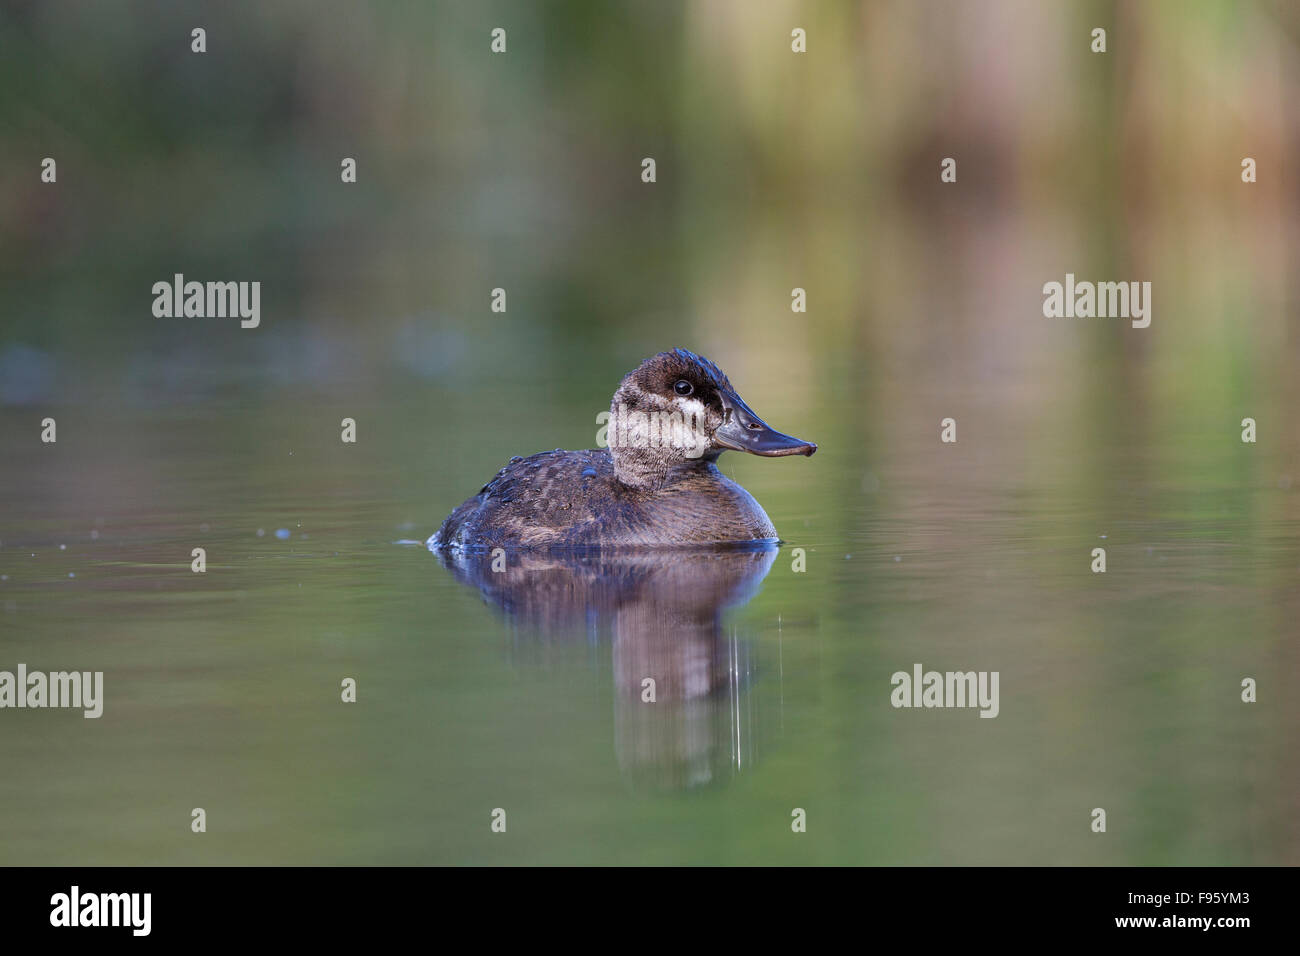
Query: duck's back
[(574, 499)]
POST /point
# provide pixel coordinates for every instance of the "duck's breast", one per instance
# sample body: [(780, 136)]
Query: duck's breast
[(707, 507)]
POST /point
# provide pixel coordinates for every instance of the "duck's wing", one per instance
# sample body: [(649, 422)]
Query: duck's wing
[(533, 501)]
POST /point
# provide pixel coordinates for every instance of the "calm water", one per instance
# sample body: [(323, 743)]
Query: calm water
[(522, 691)]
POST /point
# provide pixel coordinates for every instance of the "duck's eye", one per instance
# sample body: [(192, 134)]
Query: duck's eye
[(683, 387)]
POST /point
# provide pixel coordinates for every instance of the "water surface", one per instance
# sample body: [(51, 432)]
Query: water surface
[(523, 691)]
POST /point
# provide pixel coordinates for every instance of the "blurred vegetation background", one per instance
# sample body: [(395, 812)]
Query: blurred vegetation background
[(775, 170)]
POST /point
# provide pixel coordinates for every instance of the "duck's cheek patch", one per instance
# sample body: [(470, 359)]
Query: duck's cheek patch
[(679, 425), (689, 432), (691, 408)]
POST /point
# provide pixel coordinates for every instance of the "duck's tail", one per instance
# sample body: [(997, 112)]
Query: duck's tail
[(450, 536)]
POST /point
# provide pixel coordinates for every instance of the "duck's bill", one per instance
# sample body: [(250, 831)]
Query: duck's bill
[(745, 431)]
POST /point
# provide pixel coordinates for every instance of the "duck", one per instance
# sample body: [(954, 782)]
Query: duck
[(654, 483)]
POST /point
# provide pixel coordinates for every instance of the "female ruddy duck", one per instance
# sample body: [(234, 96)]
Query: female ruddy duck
[(656, 485)]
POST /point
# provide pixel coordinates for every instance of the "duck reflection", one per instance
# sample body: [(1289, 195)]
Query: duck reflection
[(683, 714)]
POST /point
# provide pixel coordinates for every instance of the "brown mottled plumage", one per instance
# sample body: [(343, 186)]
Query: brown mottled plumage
[(644, 490)]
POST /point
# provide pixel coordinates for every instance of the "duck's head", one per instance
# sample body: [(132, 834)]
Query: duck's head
[(678, 407)]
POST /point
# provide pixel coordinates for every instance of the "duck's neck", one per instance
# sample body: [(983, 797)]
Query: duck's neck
[(646, 469), (641, 468)]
